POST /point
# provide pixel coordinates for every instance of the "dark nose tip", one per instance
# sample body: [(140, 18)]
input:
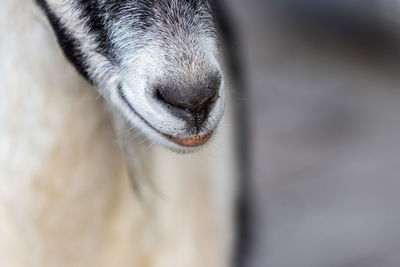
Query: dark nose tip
[(190, 102)]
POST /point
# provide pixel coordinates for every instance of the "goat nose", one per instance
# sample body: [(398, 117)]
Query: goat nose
[(190, 102)]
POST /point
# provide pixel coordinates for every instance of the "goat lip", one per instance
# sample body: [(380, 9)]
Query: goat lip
[(193, 141)]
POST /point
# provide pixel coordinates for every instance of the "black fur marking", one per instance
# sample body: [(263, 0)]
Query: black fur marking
[(96, 17), (141, 19), (66, 41)]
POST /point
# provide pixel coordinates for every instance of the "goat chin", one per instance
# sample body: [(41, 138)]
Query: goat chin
[(65, 163)]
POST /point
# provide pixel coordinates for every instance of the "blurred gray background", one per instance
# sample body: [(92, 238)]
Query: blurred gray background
[(323, 89)]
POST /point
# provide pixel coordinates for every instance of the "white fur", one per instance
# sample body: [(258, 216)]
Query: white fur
[(65, 197), (141, 67)]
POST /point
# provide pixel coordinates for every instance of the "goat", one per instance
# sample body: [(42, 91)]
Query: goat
[(91, 94)]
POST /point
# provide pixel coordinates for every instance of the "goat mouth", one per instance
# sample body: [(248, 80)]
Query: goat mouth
[(193, 141)]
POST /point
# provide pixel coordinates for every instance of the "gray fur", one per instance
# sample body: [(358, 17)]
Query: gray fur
[(126, 48)]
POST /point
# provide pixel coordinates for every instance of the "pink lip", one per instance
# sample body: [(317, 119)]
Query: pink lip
[(193, 141)]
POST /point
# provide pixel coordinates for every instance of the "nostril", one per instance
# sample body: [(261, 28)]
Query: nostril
[(176, 109), (194, 117), (195, 104), (200, 117), (161, 98), (190, 101)]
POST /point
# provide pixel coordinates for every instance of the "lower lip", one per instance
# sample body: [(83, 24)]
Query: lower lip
[(194, 141)]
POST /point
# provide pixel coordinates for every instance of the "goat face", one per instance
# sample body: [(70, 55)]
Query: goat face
[(154, 61)]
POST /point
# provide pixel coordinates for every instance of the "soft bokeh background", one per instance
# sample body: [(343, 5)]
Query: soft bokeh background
[(324, 95)]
